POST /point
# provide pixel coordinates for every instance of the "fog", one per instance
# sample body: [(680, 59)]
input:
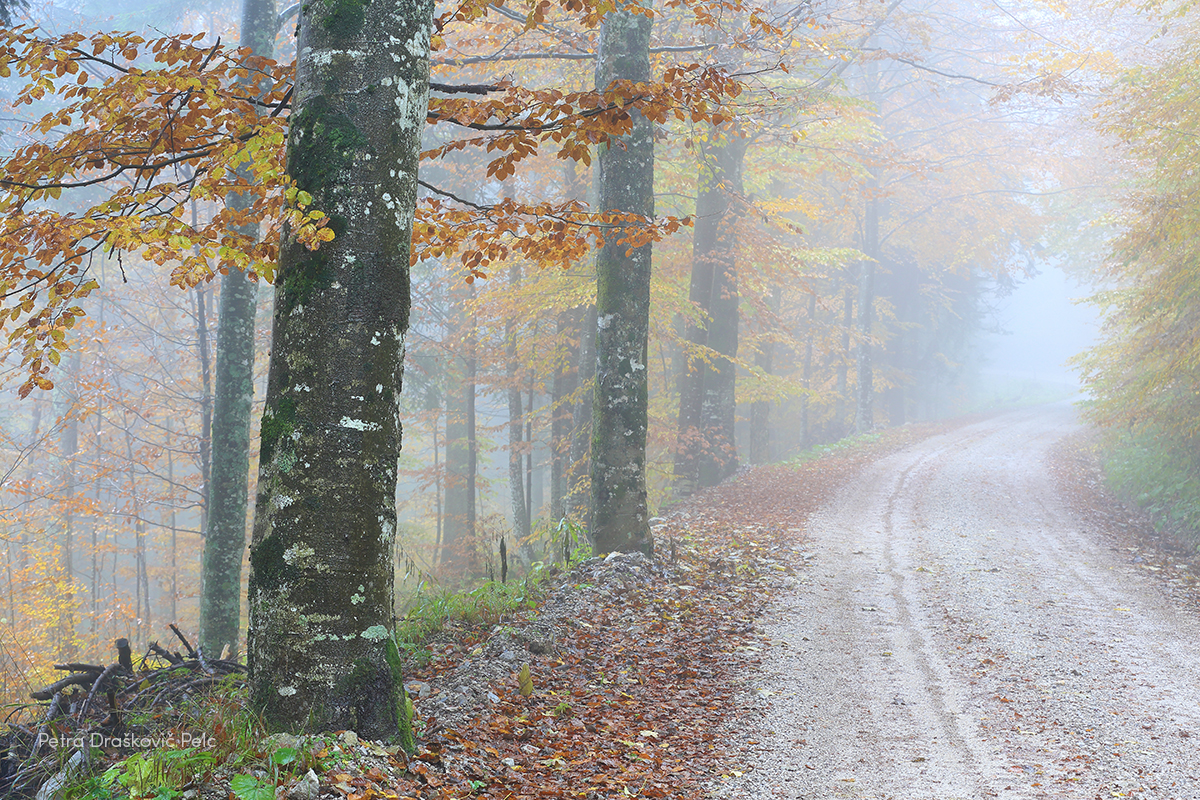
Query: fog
[(1044, 322)]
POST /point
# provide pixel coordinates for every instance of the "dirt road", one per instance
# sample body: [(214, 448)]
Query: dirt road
[(958, 632)]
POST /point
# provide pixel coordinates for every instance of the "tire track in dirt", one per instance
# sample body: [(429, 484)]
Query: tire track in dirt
[(958, 632)]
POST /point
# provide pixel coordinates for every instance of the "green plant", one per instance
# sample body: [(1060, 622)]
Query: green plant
[(429, 611), (158, 774)]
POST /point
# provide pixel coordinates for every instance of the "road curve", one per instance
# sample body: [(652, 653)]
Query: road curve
[(958, 632)]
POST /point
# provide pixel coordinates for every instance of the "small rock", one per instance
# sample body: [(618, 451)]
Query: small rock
[(277, 741), (495, 698), (349, 738), (418, 688), (508, 655), (307, 788), (532, 750), (508, 762)]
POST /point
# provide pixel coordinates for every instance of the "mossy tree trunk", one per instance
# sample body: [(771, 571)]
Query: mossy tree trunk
[(229, 473), (706, 450), (322, 652), (620, 518)]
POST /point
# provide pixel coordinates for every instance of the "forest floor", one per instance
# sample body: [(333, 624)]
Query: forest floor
[(935, 611)]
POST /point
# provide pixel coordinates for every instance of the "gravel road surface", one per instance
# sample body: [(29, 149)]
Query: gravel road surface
[(957, 631)]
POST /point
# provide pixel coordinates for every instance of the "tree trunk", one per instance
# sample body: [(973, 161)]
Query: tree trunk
[(620, 517), (205, 444), (322, 652), (565, 384), (843, 380), (806, 400), (225, 534), (706, 450), (864, 413), (579, 492), (760, 410), (516, 431), (66, 650), (457, 556)]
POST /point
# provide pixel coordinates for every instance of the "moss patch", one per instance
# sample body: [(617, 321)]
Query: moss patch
[(346, 18), (324, 141), (306, 273), (280, 423), (270, 569)]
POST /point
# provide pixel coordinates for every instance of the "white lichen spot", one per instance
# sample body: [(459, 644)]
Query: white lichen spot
[(297, 552), (379, 388), (604, 322), (283, 501), (360, 425), (356, 598), (375, 338), (287, 691), (375, 633), (301, 387)]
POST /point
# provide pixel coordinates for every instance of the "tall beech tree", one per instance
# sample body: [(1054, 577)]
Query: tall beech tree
[(225, 529), (706, 450), (321, 649), (620, 516)]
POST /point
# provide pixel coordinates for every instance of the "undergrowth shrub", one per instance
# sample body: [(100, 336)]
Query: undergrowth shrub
[(1160, 474)]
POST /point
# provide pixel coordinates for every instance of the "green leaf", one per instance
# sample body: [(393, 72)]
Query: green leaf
[(284, 755), (248, 787)]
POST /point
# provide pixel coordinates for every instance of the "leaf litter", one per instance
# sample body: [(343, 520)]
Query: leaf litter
[(631, 678)]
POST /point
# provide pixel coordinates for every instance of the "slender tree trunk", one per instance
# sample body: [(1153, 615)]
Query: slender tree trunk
[(516, 436), (760, 410), (66, 650), (805, 401), (458, 515), (864, 413), (457, 556), (843, 380), (564, 385), (579, 492), (322, 652), (225, 535), (620, 517), (205, 444), (706, 452)]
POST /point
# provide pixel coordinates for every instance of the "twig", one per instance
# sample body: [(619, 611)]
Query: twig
[(104, 676), (186, 644)]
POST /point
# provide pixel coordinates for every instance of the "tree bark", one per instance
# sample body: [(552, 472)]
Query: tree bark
[(566, 383), (520, 498), (457, 556), (322, 652), (864, 412), (227, 487), (620, 517), (706, 449), (760, 410)]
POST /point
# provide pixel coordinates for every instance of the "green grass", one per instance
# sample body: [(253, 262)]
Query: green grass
[(431, 609), (840, 446)]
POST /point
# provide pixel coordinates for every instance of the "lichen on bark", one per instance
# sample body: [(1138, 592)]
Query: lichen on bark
[(321, 609), (620, 515)]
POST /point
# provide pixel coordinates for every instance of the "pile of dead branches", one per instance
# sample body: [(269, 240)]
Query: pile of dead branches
[(49, 742)]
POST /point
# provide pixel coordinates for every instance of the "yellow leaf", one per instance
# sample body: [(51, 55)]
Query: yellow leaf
[(524, 681)]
